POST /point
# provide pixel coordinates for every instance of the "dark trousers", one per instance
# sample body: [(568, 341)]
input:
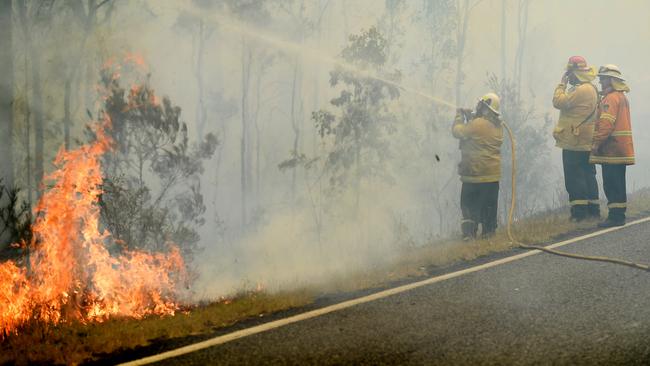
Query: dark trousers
[(615, 191), (580, 182), (478, 203)]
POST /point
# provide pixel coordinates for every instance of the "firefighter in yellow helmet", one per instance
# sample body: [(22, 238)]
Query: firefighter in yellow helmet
[(612, 143), (480, 136), (573, 134)]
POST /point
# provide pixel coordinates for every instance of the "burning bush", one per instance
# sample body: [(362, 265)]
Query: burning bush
[(69, 274), (110, 234), (152, 191), (15, 221)]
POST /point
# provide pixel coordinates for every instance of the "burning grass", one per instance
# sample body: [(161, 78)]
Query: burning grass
[(76, 341), (539, 229), (70, 276)]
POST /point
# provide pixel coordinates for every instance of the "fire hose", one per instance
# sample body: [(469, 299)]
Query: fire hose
[(521, 245), (246, 30)]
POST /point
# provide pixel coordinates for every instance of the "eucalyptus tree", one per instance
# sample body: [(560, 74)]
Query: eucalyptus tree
[(6, 92), (356, 131)]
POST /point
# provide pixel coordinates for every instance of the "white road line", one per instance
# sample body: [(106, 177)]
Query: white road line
[(346, 304)]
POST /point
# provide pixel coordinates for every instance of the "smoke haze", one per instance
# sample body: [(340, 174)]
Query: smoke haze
[(262, 67)]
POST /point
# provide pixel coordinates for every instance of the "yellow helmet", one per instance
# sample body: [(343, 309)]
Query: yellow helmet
[(611, 71), (492, 101)]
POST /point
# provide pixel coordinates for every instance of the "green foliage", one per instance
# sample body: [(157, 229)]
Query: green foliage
[(15, 221), (255, 11), (152, 189), (357, 132), (532, 148), (297, 159)]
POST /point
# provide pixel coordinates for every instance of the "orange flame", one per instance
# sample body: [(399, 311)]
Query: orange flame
[(135, 59), (71, 275)]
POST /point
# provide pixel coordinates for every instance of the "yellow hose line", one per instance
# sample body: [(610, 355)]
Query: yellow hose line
[(247, 30), (543, 249)]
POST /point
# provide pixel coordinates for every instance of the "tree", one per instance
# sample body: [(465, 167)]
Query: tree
[(390, 25), (437, 17), (86, 16), (463, 13), (200, 31), (6, 92), (29, 17), (152, 192), (357, 133), (256, 12), (503, 38), (532, 149), (306, 22), (522, 34)]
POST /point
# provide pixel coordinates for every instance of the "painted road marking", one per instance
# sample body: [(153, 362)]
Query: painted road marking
[(346, 304)]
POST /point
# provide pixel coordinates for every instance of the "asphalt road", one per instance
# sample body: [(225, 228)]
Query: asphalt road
[(541, 309)]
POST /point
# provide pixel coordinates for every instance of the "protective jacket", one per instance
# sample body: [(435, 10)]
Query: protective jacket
[(480, 146), (612, 142), (574, 129)]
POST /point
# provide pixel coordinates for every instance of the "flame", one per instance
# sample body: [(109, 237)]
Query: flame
[(135, 59), (70, 274)]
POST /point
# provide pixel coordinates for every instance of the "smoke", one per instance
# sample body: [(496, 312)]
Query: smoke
[(291, 250), (267, 73)]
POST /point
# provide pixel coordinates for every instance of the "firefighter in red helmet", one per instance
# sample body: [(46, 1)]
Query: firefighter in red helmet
[(573, 133)]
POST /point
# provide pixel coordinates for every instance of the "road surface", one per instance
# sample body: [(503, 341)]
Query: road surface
[(541, 309)]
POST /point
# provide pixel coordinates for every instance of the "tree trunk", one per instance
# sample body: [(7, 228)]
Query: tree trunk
[(521, 46), (357, 181), (245, 133), (37, 97), (503, 39), (461, 36), (28, 138), (346, 26), (71, 75), (67, 118), (6, 93), (39, 123), (200, 108), (295, 125), (258, 135)]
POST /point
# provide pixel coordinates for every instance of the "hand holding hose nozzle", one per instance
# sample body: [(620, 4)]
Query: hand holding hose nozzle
[(467, 113), (565, 78)]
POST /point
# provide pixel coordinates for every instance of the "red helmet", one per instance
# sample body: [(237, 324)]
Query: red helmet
[(577, 63)]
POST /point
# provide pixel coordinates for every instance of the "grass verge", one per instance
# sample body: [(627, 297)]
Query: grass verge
[(78, 343)]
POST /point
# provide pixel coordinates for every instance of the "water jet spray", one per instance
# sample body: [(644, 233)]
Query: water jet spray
[(319, 56), (308, 52)]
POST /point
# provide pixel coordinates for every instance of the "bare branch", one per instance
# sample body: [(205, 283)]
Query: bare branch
[(101, 4)]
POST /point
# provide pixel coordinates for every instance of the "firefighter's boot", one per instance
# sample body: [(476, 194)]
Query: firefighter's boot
[(593, 211), (469, 229), (616, 217), (579, 213)]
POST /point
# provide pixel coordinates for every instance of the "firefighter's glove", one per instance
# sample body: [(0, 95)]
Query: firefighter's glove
[(468, 114), (565, 79)]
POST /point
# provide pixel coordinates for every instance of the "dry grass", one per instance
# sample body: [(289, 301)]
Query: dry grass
[(76, 343), (415, 262)]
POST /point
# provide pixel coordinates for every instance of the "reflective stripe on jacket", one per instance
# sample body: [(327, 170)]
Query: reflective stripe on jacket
[(612, 143), (480, 146), (574, 129)]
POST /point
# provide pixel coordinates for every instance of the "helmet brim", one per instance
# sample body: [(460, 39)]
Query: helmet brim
[(489, 107), (611, 76)]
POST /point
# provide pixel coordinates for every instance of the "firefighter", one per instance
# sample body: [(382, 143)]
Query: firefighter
[(573, 134), (612, 142), (480, 136)]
